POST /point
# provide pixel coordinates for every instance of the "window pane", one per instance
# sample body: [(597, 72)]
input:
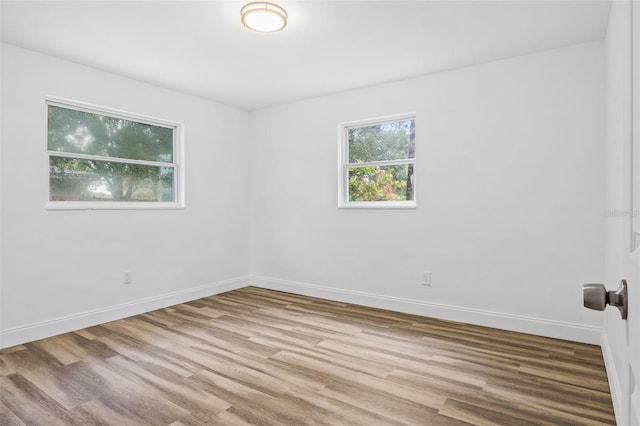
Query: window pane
[(388, 141), (73, 179), (388, 183), (94, 134)]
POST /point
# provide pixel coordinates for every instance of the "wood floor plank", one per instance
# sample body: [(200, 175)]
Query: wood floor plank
[(98, 413), (8, 418), (478, 415), (22, 396), (341, 413), (176, 390), (260, 357)]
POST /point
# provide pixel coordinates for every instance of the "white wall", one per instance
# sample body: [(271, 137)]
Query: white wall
[(509, 187), (63, 269), (618, 137), (509, 217)]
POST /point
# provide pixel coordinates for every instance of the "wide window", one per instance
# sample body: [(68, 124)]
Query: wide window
[(377, 163), (102, 158)]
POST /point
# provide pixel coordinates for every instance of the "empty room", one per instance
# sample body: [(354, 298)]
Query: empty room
[(320, 212)]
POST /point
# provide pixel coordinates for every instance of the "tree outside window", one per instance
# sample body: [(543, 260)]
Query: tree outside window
[(379, 163), (97, 158)]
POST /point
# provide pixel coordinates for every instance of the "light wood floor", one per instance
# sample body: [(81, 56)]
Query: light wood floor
[(254, 356)]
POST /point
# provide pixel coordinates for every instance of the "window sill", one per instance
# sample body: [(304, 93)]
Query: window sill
[(107, 205), (374, 205)]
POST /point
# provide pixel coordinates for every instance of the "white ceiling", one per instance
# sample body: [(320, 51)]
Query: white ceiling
[(328, 46)]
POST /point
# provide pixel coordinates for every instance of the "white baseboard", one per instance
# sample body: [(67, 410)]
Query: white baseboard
[(523, 324), (542, 327), (18, 335), (615, 387)]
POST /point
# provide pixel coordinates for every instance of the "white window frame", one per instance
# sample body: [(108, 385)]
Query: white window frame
[(177, 164), (344, 165)]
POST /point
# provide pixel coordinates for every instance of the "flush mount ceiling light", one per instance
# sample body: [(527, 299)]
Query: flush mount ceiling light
[(263, 16)]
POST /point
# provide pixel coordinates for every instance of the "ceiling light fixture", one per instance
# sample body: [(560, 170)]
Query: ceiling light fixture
[(263, 16)]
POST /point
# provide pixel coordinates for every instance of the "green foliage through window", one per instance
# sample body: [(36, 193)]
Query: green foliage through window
[(380, 161), (378, 183), (98, 157), (387, 141)]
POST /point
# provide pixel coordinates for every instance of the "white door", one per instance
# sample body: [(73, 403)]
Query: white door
[(621, 343), (631, 263)]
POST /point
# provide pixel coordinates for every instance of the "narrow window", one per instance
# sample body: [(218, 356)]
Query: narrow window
[(377, 163), (102, 158)]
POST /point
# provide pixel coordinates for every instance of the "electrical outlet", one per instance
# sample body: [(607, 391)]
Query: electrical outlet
[(426, 278), (128, 277)]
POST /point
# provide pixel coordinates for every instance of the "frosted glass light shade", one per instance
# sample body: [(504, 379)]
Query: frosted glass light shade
[(263, 16)]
